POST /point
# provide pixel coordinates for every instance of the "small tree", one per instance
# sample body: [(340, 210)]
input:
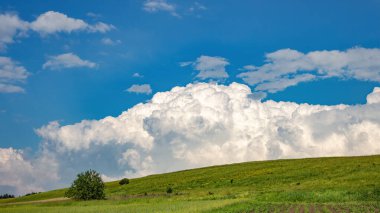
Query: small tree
[(87, 186), (124, 181), (169, 190)]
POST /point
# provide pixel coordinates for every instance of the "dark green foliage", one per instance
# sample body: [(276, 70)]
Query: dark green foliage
[(169, 190), (124, 181), (87, 186), (5, 196), (32, 193)]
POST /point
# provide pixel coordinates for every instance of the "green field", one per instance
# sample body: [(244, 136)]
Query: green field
[(301, 185)]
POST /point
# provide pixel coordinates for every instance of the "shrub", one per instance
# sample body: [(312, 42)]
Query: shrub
[(169, 190), (87, 186), (32, 193), (124, 181)]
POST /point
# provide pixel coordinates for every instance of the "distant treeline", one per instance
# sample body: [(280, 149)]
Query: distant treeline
[(5, 196)]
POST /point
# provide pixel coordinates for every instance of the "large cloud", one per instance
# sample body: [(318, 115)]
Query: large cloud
[(206, 124), (19, 175), (287, 67)]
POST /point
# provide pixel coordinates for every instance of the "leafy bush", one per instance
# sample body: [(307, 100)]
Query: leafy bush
[(124, 181), (169, 190), (87, 186)]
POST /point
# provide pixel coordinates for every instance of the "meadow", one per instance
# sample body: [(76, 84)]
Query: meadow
[(336, 184)]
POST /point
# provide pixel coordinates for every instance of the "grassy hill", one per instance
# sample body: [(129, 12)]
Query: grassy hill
[(304, 185)]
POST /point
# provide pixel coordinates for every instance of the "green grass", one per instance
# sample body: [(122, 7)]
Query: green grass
[(122, 206), (348, 182)]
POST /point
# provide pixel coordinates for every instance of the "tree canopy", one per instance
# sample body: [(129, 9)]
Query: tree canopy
[(88, 186)]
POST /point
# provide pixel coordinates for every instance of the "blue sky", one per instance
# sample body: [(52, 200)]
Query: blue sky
[(153, 44), (146, 42)]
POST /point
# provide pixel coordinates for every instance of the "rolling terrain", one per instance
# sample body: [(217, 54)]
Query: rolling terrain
[(336, 184)]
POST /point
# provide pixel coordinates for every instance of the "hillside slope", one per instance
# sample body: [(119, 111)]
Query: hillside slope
[(315, 180)]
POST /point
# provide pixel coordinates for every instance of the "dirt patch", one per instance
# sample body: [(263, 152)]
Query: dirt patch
[(320, 208), (292, 209), (312, 209), (302, 209), (38, 201)]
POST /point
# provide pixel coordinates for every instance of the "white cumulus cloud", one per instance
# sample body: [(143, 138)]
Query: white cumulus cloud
[(49, 22), (54, 22), (197, 125), (206, 124), (143, 89), (209, 67), (10, 26), (67, 60), (374, 97), (20, 176), (287, 67)]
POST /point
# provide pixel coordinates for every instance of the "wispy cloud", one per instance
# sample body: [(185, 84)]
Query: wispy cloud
[(137, 75), (209, 67), (108, 41), (196, 6), (67, 60), (287, 67), (154, 6), (185, 63), (11, 74), (93, 15)]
